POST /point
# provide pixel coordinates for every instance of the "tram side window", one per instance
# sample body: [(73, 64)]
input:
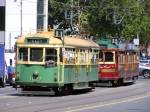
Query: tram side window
[(121, 59), (69, 56), (23, 54), (100, 56), (95, 57), (36, 54), (82, 55), (51, 55), (108, 56)]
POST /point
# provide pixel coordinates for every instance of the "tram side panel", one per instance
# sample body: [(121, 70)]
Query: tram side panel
[(128, 68), (108, 71), (80, 75), (35, 75), (122, 68), (41, 62)]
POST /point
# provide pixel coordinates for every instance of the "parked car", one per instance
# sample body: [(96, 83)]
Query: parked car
[(144, 68)]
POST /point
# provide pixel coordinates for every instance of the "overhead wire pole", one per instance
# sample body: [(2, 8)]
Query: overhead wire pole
[(78, 15), (20, 17), (71, 15)]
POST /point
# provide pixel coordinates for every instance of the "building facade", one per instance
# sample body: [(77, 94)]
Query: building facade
[(20, 17), (2, 21)]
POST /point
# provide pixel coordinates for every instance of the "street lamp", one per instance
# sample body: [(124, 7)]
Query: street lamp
[(21, 17)]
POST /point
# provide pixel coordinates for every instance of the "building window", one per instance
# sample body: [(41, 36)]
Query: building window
[(40, 7), (40, 14), (2, 18), (40, 22)]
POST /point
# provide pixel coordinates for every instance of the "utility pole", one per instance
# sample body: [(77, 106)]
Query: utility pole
[(20, 17), (78, 15), (71, 15), (10, 41)]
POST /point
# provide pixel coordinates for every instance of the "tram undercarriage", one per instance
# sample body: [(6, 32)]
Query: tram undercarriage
[(67, 89), (116, 82)]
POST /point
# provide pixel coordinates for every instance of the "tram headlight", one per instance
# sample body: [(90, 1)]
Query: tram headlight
[(35, 75)]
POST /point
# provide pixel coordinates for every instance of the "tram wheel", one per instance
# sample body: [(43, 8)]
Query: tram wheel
[(110, 83), (3, 82), (58, 91), (115, 83), (146, 74), (65, 90)]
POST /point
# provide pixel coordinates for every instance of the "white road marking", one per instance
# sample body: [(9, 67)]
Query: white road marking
[(29, 102), (7, 104), (6, 96), (103, 104)]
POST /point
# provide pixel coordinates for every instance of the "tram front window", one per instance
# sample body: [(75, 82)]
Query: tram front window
[(36, 54), (108, 56), (23, 54), (51, 57)]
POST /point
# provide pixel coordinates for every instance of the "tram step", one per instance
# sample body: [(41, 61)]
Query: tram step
[(36, 92), (102, 84)]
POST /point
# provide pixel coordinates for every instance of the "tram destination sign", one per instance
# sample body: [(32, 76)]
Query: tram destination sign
[(37, 40)]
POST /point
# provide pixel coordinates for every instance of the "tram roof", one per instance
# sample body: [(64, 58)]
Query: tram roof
[(73, 40), (118, 49)]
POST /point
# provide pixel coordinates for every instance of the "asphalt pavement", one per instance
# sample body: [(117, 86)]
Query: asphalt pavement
[(127, 98)]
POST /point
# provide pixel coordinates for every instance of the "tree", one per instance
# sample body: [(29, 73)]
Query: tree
[(116, 17), (122, 18), (145, 34), (56, 9)]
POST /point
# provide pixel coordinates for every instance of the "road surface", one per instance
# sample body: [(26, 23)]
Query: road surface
[(128, 98)]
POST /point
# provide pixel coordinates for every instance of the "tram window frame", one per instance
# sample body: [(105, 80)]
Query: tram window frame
[(95, 56), (116, 56), (101, 54), (107, 57), (61, 55), (69, 56), (120, 60), (82, 57), (122, 57), (134, 57), (51, 59), (130, 60), (36, 54), (86, 56), (23, 56)]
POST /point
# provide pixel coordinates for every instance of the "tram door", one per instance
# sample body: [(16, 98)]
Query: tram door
[(51, 58)]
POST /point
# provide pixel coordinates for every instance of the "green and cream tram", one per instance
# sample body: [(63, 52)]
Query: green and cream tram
[(53, 61)]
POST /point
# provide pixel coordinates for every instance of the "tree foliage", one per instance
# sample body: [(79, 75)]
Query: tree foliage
[(122, 18)]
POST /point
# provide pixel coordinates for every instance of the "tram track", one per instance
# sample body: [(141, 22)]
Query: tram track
[(69, 106), (109, 103), (7, 89), (87, 99), (92, 103)]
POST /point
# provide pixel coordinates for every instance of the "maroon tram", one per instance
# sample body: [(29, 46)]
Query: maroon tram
[(118, 65)]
